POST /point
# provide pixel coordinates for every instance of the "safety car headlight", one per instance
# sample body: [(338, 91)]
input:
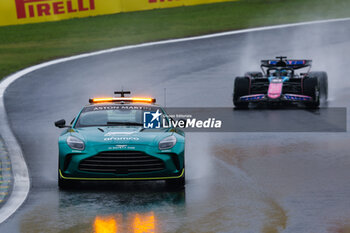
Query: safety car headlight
[(75, 143), (167, 143)]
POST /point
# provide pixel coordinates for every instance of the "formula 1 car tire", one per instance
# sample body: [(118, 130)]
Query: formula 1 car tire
[(323, 82), (311, 88), (240, 88)]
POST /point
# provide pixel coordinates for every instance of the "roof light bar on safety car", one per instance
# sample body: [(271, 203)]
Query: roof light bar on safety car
[(122, 99)]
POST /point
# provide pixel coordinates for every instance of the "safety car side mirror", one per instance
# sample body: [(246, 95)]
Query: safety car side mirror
[(61, 124)]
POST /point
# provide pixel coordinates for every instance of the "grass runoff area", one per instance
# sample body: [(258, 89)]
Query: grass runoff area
[(25, 45)]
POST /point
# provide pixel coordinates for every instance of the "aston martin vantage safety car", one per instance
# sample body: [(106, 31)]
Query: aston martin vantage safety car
[(280, 83), (121, 138)]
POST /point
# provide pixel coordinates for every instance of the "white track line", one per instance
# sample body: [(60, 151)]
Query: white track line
[(21, 182)]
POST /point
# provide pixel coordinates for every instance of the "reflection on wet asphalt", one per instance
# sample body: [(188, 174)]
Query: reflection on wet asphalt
[(106, 208), (236, 182), (305, 176)]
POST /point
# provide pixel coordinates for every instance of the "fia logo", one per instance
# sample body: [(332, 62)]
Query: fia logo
[(151, 120)]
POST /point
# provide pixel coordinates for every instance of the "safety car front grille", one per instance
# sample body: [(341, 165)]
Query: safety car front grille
[(121, 162)]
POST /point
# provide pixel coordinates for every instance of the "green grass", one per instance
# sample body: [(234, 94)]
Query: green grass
[(25, 45)]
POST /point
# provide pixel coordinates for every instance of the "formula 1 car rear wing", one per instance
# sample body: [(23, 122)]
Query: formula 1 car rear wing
[(283, 62)]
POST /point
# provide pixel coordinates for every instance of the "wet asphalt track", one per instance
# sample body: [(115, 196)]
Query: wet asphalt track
[(236, 182)]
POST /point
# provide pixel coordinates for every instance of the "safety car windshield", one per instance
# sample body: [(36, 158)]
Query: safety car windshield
[(116, 115)]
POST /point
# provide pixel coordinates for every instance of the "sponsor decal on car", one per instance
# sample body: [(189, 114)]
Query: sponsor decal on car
[(118, 133), (121, 147), (121, 139), (116, 107)]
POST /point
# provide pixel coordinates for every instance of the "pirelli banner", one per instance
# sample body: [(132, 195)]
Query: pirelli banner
[(33, 11)]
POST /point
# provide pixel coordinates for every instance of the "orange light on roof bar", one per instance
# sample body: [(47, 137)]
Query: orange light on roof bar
[(121, 99), (95, 100), (137, 99)]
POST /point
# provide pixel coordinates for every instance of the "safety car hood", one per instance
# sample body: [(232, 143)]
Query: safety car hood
[(123, 135)]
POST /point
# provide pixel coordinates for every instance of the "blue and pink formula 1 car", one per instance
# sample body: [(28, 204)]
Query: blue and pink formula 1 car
[(279, 83)]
